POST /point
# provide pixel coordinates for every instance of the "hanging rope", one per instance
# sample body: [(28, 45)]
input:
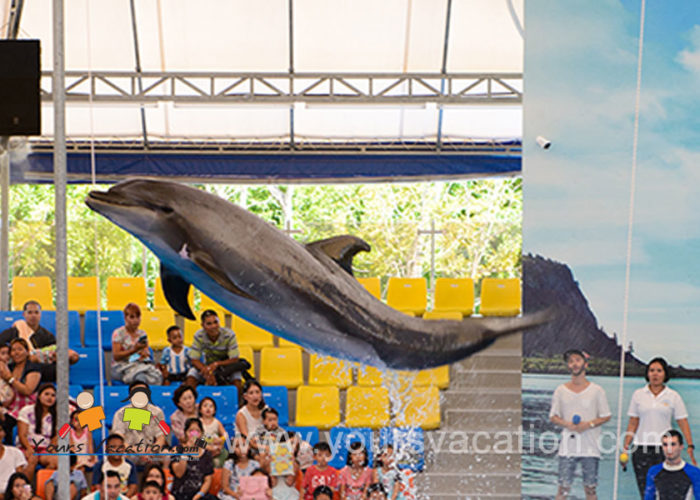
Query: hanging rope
[(630, 227)]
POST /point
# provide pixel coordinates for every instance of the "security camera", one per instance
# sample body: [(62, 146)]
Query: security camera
[(543, 142)]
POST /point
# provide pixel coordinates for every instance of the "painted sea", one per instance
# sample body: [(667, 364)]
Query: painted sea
[(539, 459)]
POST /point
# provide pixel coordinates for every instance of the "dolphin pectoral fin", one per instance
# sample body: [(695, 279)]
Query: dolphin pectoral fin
[(207, 264), (341, 249), (176, 290)]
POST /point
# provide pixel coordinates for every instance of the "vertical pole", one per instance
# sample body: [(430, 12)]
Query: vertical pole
[(59, 172), (432, 258), (5, 227), (443, 70)]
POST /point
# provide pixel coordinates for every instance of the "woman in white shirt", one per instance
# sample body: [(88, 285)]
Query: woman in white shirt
[(651, 411)]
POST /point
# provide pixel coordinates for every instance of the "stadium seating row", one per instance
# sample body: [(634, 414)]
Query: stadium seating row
[(499, 297)]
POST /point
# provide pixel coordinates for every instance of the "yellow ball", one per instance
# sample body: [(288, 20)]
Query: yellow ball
[(624, 457)]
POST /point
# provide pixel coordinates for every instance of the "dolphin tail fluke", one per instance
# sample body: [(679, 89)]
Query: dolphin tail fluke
[(176, 291)]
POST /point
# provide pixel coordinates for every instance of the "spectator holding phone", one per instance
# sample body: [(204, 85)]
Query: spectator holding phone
[(132, 358), (192, 478), (19, 488)]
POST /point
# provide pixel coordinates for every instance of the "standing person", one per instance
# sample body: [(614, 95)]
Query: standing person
[(132, 359), (651, 411), (214, 355), (673, 478), (580, 408), (24, 377)]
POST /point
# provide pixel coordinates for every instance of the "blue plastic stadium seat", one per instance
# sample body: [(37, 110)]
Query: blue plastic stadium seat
[(162, 397), (7, 318), (74, 390), (340, 440), (226, 397), (109, 321), (276, 397), (87, 369), (308, 434), (48, 321), (114, 396), (409, 446)]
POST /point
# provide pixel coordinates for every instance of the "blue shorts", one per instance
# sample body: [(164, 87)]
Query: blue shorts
[(589, 470)]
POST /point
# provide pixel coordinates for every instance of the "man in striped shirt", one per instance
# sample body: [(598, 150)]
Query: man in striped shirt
[(214, 355)]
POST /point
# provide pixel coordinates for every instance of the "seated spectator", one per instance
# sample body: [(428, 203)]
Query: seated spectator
[(376, 491), (132, 359), (269, 432), (19, 488), (78, 484), (42, 342), (257, 486), (153, 473), (214, 432), (185, 399), (192, 476), (284, 488), (322, 493), (303, 452), (81, 442), (111, 485), (214, 355), (36, 430), (6, 391), (356, 476), (11, 460), (320, 474), (125, 470), (150, 491), (24, 377), (150, 435), (388, 474), (249, 417), (175, 359), (239, 464)]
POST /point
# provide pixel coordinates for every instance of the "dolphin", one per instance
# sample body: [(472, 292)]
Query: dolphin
[(303, 293)]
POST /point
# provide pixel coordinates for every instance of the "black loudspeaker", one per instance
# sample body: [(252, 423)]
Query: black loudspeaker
[(20, 107)]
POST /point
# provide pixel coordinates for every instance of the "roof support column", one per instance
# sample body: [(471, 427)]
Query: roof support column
[(443, 70)]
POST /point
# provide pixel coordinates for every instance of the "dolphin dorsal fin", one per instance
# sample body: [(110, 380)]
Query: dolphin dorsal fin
[(176, 290), (341, 249)]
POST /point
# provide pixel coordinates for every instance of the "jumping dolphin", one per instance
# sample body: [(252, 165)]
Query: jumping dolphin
[(303, 293)]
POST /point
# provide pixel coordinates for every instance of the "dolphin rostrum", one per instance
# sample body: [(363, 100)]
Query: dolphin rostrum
[(303, 293)]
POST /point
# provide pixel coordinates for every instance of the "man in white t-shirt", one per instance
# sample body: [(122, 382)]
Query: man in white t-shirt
[(11, 460), (580, 408), (109, 489)]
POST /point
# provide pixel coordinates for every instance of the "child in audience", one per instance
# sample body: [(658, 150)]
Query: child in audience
[(214, 433), (151, 491), (320, 474), (355, 477), (270, 431), (81, 442), (323, 492), (175, 359), (284, 488), (239, 465), (153, 473), (78, 484), (376, 492), (257, 486), (388, 475)]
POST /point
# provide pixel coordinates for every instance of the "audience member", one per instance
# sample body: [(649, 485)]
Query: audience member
[(673, 478), (6, 390), (376, 491), (174, 359), (270, 431), (81, 442), (257, 486), (320, 474), (125, 470), (78, 484), (41, 341), (11, 460), (24, 377), (109, 488), (249, 417), (388, 475), (151, 491), (284, 488), (185, 399), (19, 488), (151, 433), (214, 355), (214, 432), (651, 411), (239, 464), (192, 476), (153, 473), (322, 492), (356, 476), (132, 359), (36, 429)]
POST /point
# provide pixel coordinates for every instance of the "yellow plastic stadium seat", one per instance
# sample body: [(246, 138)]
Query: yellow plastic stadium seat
[(156, 324), (373, 286), (281, 366), (439, 377), (367, 407), (287, 343), (329, 371), (369, 376), (421, 409), (249, 334), (443, 315), (407, 294), (500, 297), (160, 302), (83, 294), (206, 302), (191, 328), (318, 406), (246, 352), (454, 295), (32, 288), (121, 291)]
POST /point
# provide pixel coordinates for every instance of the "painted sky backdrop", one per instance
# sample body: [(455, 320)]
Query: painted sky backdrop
[(580, 77)]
